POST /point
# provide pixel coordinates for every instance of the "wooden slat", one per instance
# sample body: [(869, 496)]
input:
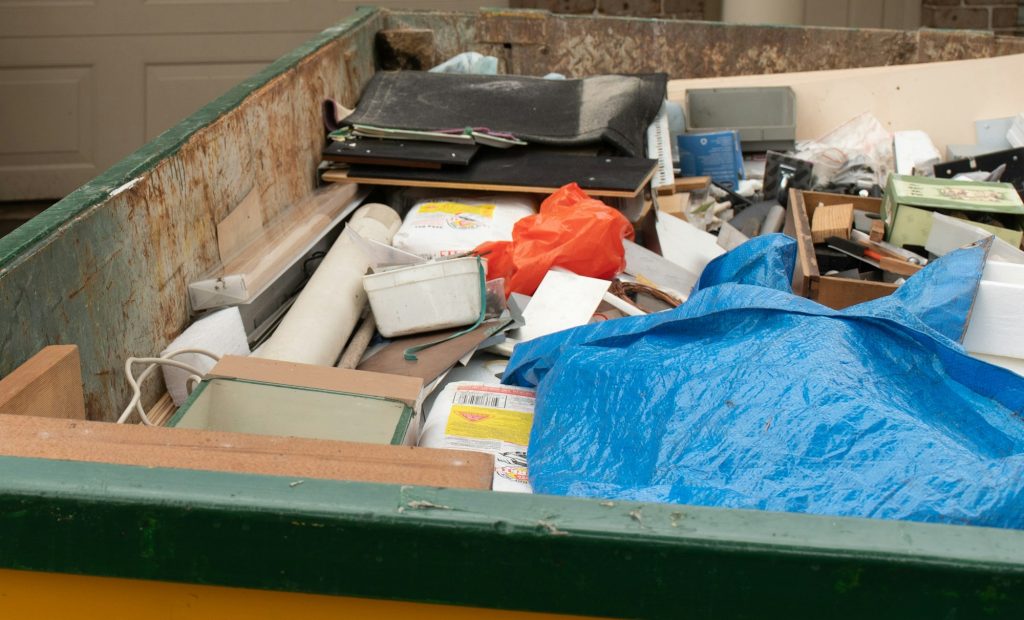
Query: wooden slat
[(162, 411), (49, 384), (342, 176), (150, 446)]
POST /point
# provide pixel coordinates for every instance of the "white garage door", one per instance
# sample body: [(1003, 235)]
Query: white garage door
[(85, 82)]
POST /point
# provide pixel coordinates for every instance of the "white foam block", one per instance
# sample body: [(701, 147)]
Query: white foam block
[(913, 147), (562, 300), (730, 238), (221, 333), (1010, 363), (686, 245), (950, 233), (996, 327), (1007, 273), (642, 262)]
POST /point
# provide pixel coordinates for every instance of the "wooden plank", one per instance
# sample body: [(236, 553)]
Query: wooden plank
[(179, 448), (49, 384), (692, 184), (897, 266), (342, 176), (241, 226), (162, 411), (841, 293), (268, 254), (831, 221)]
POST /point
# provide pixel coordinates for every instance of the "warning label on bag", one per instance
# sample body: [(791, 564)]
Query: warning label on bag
[(457, 208), (494, 419)]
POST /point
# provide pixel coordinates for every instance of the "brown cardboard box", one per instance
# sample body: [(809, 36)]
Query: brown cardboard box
[(831, 291), (151, 446)]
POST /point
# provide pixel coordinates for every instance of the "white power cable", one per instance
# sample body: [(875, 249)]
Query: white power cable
[(136, 401)]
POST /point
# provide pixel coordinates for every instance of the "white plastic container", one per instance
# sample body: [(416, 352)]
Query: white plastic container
[(425, 298)]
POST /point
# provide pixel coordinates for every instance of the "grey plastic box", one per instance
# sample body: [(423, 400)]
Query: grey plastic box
[(765, 117)]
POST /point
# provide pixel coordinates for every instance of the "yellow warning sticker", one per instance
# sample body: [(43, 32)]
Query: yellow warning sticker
[(457, 208), (487, 423)]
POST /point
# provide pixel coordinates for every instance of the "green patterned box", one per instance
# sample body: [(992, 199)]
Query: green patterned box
[(909, 199)]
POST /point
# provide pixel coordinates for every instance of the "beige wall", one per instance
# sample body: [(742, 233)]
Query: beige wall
[(85, 82)]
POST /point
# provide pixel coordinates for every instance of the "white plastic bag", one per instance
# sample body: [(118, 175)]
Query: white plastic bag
[(441, 228), (495, 419)]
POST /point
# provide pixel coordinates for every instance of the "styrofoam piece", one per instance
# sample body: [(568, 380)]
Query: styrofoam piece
[(217, 292), (1010, 363), (425, 298), (950, 233), (773, 221), (641, 262), (686, 245), (729, 237), (1000, 271), (965, 151), (562, 300), (494, 419), (622, 306), (221, 333), (320, 321), (1015, 136), (381, 255), (995, 327), (992, 132), (913, 149)]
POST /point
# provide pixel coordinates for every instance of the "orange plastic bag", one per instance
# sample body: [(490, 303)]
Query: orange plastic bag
[(572, 230)]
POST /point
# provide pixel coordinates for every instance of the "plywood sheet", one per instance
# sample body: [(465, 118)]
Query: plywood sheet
[(49, 384), (150, 446), (942, 98)]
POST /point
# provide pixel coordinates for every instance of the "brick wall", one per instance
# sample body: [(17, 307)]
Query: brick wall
[(1001, 17), (675, 9)]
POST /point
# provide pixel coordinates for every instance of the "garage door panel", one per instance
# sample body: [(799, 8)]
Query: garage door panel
[(175, 91), (45, 115), (83, 83)]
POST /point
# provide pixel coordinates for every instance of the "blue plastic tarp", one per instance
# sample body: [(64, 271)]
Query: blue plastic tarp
[(748, 396)]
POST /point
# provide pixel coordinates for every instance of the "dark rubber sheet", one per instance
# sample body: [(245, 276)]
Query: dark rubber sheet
[(614, 109)]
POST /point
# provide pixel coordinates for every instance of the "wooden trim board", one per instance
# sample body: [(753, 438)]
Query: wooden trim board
[(150, 446), (49, 384), (342, 176), (405, 389)]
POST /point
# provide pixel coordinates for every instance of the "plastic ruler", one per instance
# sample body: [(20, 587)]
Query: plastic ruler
[(659, 146)]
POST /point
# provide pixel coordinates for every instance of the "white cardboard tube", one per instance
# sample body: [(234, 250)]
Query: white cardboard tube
[(322, 318)]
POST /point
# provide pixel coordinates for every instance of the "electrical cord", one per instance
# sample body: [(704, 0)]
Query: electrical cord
[(135, 404)]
